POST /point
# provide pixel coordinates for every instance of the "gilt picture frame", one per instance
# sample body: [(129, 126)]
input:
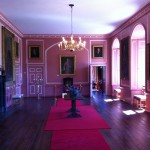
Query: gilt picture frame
[(124, 58), (98, 51), (34, 52), (67, 64), (8, 55)]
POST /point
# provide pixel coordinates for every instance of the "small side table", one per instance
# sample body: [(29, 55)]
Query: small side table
[(140, 99)]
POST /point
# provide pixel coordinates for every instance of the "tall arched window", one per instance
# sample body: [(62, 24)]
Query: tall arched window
[(138, 57), (116, 63)]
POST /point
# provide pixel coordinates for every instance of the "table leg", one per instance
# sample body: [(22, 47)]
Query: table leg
[(74, 113)]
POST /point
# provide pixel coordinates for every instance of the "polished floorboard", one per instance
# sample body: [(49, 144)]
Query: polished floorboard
[(21, 127)]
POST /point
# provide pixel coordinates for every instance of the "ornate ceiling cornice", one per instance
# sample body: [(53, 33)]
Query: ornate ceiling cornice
[(63, 35), (134, 18), (10, 25)]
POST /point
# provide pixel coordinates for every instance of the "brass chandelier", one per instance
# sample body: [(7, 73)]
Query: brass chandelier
[(71, 44)]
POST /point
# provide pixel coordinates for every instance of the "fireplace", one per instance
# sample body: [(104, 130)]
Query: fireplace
[(67, 82)]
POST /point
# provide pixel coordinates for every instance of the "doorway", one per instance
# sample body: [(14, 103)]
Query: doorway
[(98, 79)]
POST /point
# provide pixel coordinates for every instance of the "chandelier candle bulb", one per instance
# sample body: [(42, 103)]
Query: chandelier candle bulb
[(71, 37), (80, 39)]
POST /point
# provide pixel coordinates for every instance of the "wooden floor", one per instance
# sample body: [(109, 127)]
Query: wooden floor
[(21, 128)]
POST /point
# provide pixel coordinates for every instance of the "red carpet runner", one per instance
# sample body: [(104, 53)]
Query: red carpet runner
[(90, 119), (78, 140), (76, 133)]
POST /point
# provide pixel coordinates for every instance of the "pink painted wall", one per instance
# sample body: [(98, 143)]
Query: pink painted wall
[(50, 62), (142, 17)]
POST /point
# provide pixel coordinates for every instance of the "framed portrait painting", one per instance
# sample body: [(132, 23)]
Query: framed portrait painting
[(124, 58), (34, 51), (67, 65), (148, 60), (8, 54), (98, 51)]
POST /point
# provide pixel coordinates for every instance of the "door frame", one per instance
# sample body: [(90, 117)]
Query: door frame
[(91, 67)]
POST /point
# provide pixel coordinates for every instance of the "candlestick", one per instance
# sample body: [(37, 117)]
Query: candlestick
[(38, 81)]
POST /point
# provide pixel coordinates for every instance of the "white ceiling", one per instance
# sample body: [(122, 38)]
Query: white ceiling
[(54, 17)]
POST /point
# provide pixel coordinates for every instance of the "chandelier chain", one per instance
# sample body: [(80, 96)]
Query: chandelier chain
[(71, 19), (71, 44)]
